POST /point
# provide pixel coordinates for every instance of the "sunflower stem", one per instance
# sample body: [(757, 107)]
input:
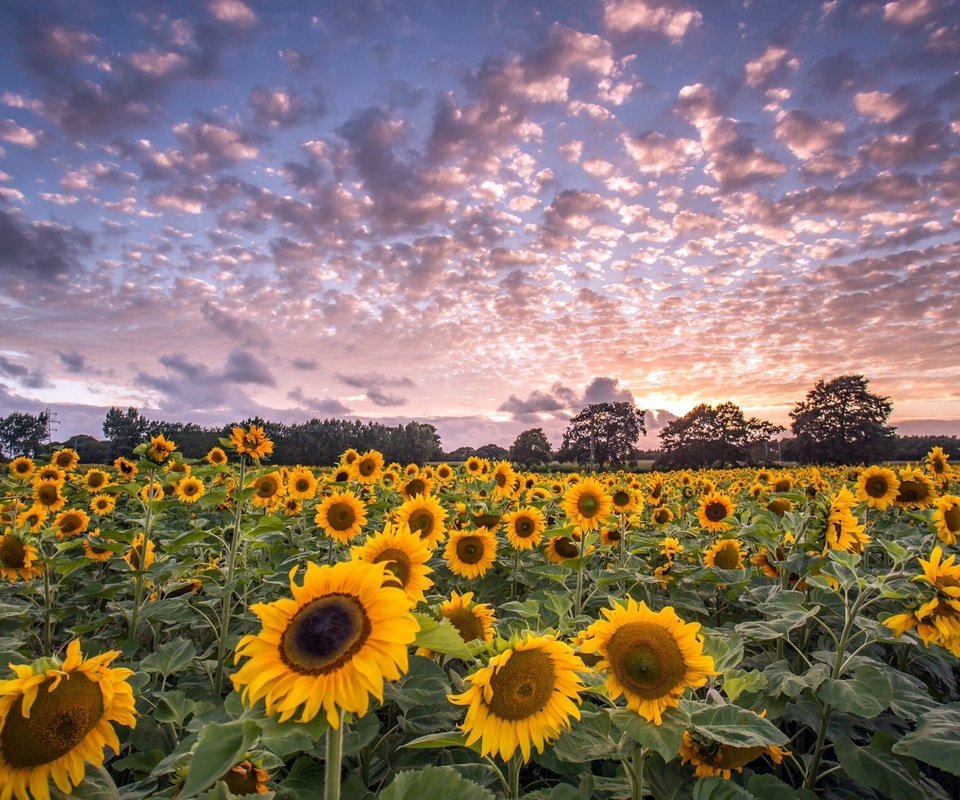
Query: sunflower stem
[(516, 573), (226, 606), (47, 616), (514, 766), (331, 778), (637, 761), (141, 554)]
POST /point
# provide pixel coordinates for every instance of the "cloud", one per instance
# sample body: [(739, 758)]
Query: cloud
[(77, 364), (233, 12), (39, 249), (562, 402), (11, 132), (653, 152), (769, 65), (280, 107), (244, 367), (326, 406), (663, 17), (29, 378), (373, 385)]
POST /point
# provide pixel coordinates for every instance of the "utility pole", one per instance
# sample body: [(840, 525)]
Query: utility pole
[(593, 438)]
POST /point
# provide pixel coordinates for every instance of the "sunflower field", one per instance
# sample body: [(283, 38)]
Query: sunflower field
[(227, 628)]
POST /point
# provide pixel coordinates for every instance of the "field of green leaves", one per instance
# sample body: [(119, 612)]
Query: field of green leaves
[(225, 628)]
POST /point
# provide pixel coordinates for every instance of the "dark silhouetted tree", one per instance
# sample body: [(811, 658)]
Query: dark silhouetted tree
[(607, 431), (712, 436), (840, 422), (531, 447), (125, 430), (492, 452), (22, 434)]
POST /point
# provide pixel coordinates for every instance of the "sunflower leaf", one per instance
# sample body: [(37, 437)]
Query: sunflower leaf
[(663, 739), (441, 637), (434, 782), (934, 740), (219, 748), (739, 727), (720, 789)]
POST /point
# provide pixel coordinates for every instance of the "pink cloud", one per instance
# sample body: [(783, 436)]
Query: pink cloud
[(650, 16)]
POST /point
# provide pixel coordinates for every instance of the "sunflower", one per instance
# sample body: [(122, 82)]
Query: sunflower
[(246, 778), (725, 554), (782, 483), (93, 551), (70, 523), (125, 467), (473, 621), (342, 516), (610, 537), (292, 507), (46, 495), (503, 478), (134, 554), (525, 697), (425, 517), (587, 503), (406, 556), (18, 559), (66, 458), (216, 456), (560, 549), (151, 492), (270, 490), (662, 516), (717, 758), (368, 467), (301, 484), (779, 506), (470, 554), (413, 486), (670, 547), (626, 501), (190, 489), (21, 468), (946, 518), (330, 646), (474, 466), (95, 480), (843, 532), (55, 716), (937, 464), (341, 475), (160, 448), (916, 489), (33, 518), (762, 560), (103, 504), (648, 656), (50, 472), (444, 473), (525, 527), (252, 442), (349, 457), (715, 507), (878, 487)]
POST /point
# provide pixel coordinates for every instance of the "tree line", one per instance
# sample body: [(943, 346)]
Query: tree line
[(839, 422)]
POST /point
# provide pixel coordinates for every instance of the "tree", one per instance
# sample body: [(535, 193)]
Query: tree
[(708, 436), (492, 452), (840, 422), (605, 433), (22, 434), (125, 430), (531, 447)]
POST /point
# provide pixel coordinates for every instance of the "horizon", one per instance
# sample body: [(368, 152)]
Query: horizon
[(478, 216)]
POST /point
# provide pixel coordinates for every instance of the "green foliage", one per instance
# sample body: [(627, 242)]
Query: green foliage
[(434, 782), (607, 433), (22, 434), (531, 447), (712, 436)]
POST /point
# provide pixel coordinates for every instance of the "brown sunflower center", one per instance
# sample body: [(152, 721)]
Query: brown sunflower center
[(70, 524), (646, 659), (613, 536), (876, 487), (588, 505), (565, 548), (467, 624), (301, 485), (522, 687), (12, 552), (779, 506), (267, 487), (730, 757), (524, 527), (470, 549), (715, 511), (501, 479), (58, 722), (912, 492), (487, 520), (951, 518), (728, 557), (341, 516), (96, 479), (783, 485), (662, 516), (422, 522), (415, 487), (399, 564), (243, 779), (621, 498), (366, 467), (325, 634), (22, 467), (47, 494)]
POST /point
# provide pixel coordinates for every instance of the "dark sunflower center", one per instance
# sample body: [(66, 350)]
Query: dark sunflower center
[(613, 536), (779, 506), (267, 487), (588, 505), (243, 779), (421, 521), (470, 549), (325, 634), (95, 481), (727, 557), (366, 467), (782, 485), (12, 552), (47, 495), (939, 465), (301, 485), (522, 687), (951, 518), (876, 487), (524, 527), (59, 720), (64, 460), (467, 624), (22, 468), (342, 476), (70, 524), (487, 520), (646, 659), (715, 512), (912, 492), (399, 564), (662, 516), (621, 498), (416, 486), (341, 516), (565, 548), (501, 479), (730, 757)]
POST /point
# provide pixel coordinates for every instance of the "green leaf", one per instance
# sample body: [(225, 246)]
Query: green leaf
[(97, 785), (771, 786), (219, 748), (305, 781), (786, 611), (720, 789), (865, 695), (727, 651), (441, 637), (588, 739), (663, 739), (935, 740), (173, 707), (782, 680), (170, 657), (878, 768), (730, 724), (738, 681), (434, 782), (438, 741), (562, 791)]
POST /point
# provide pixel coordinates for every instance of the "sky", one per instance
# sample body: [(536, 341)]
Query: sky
[(481, 215)]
